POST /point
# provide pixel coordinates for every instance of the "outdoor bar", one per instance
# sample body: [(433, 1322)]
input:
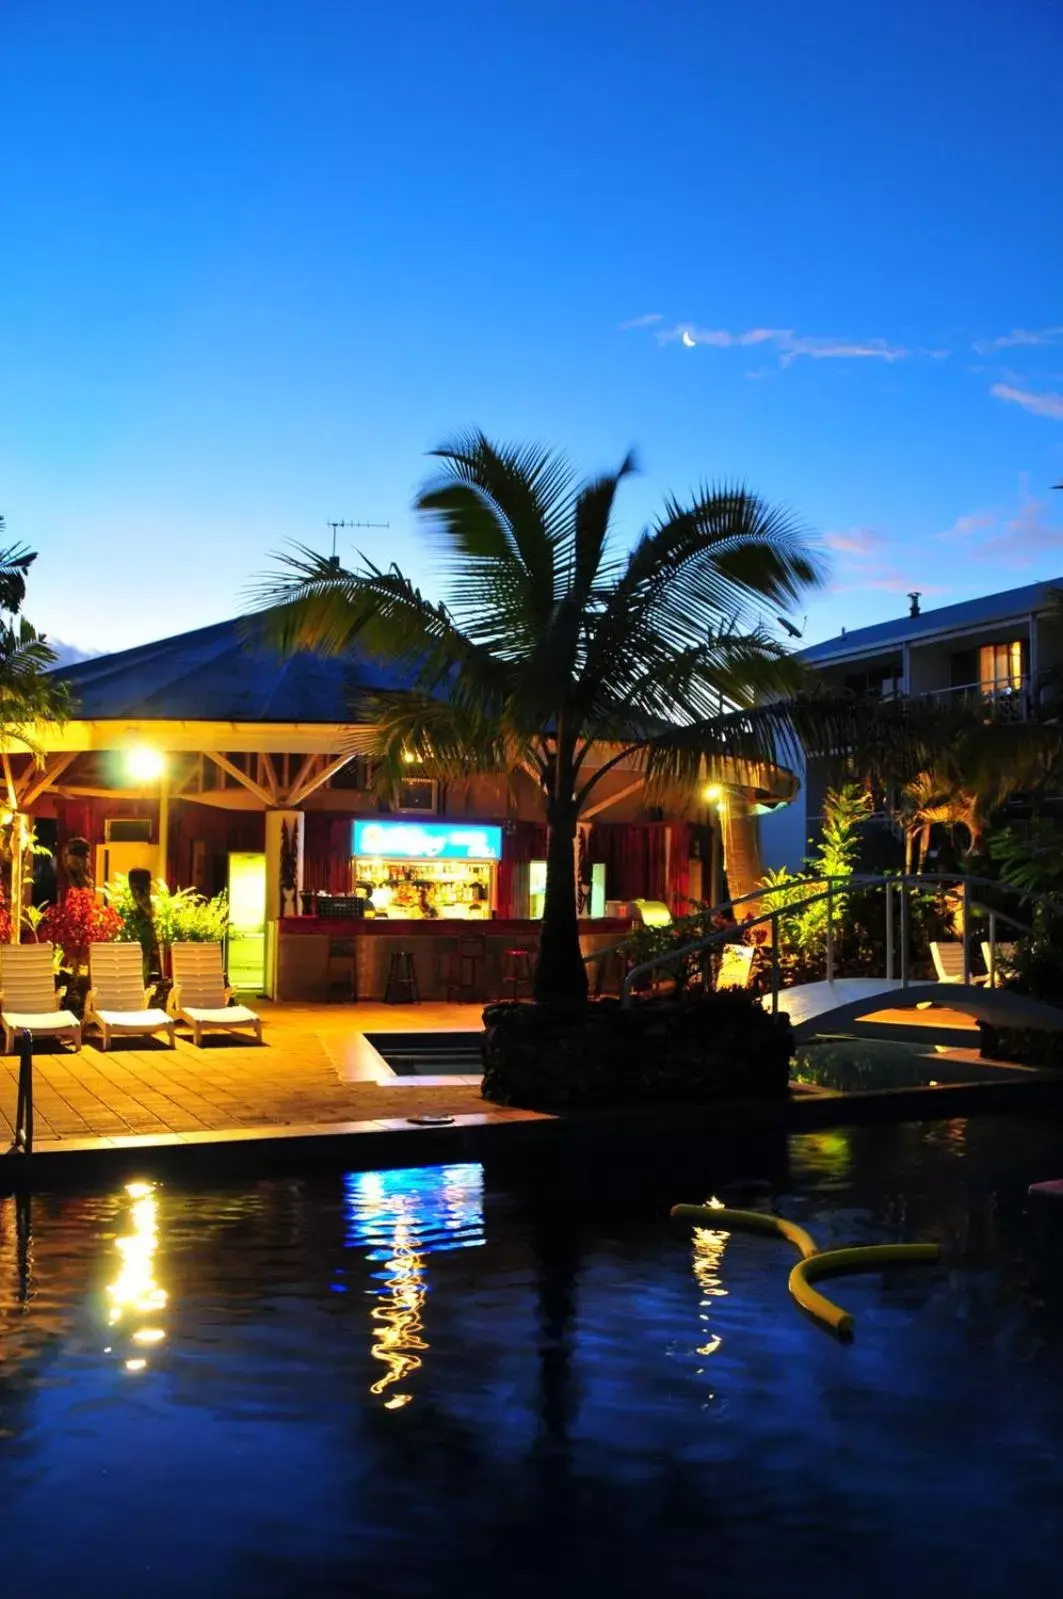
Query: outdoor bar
[(221, 768)]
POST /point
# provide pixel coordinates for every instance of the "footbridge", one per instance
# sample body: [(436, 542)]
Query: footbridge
[(837, 1001)]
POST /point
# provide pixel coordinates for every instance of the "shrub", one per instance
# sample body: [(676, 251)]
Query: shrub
[(79, 920), (663, 1051)]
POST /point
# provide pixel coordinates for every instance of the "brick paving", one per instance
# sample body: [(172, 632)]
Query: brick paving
[(313, 1069)]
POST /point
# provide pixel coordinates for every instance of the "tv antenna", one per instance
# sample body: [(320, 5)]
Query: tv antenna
[(334, 559)]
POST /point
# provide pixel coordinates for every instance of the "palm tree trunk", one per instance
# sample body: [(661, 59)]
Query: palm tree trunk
[(560, 977), (741, 850)]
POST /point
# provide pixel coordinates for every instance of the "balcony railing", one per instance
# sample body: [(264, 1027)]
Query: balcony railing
[(1005, 702)]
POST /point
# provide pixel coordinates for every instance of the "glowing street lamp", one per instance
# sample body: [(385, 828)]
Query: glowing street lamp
[(145, 764)]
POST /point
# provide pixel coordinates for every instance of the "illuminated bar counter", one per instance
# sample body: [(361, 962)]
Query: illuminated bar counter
[(334, 957), (429, 889)]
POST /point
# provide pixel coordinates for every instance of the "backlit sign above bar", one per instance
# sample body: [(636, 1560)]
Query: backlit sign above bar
[(427, 841)]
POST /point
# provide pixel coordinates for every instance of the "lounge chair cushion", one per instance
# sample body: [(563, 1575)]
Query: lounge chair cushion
[(138, 1021), (224, 1016), (51, 1021)]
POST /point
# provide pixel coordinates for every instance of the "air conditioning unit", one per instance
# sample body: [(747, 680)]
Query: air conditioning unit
[(128, 830)]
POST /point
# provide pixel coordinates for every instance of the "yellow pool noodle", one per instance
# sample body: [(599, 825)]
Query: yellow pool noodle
[(720, 1219), (871, 1258)]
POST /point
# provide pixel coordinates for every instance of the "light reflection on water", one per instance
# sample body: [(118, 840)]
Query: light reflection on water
[(398, 1218), (136, 1297), (602, 1407)]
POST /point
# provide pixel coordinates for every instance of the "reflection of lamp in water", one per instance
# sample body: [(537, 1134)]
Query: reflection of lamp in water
[(397, 1318), (399, 1218), (709, 1248), (135, 1289)]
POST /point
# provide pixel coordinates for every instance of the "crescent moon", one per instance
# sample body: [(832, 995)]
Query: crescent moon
[(688, 341)]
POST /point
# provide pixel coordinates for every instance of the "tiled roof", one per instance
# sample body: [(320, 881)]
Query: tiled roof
[(213, 675)]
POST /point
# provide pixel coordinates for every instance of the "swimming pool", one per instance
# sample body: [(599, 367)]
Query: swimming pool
[(851, 1065), (454, 1380)]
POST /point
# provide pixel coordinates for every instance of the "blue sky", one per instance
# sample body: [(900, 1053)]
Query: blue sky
[(259, 256)]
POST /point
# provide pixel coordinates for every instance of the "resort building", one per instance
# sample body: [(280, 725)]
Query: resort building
[(219, 766), (998, 651)]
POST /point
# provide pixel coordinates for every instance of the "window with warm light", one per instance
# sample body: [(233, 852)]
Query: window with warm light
[(1001, 667)]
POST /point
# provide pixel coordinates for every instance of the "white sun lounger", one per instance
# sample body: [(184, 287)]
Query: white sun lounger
[(948, 962), (28, 995), (117, 1001), (201, 997)]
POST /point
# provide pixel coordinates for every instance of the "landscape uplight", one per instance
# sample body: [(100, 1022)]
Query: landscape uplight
[(145, 764)]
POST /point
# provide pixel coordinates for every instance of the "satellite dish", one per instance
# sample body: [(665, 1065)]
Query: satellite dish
[(791, 627)]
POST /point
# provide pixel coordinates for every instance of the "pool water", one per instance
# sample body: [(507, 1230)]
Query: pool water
[(849, 1065), (457, 1381)]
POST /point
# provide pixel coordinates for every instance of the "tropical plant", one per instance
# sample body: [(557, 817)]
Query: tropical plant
[(978, 765), (1029, 856), (803, 926), (559, 655), (28, 695), (181, 915)]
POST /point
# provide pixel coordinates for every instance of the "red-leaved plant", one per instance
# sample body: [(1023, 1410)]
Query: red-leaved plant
[(80, 920)]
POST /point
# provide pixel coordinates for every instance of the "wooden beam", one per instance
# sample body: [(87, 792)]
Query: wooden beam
[(37, 780), (303, 790), (9, 783), (266, 776), (306, 767), (226, 765), (613, 799)]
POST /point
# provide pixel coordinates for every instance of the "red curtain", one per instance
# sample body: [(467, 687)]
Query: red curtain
[(218, 832), (521, 842), (634, 855), (679, 869), (327, 845)]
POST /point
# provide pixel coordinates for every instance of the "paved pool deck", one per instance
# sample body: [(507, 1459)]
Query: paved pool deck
[(314, 1069), (316, 1086)]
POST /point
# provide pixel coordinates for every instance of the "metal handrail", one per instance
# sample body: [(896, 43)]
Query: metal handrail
[(733, 934), (727, 905), (23, 1140)]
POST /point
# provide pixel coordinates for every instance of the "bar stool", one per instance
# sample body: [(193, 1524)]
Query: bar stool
[(460, 974), (516, 970), (343, 968), (401, 987)]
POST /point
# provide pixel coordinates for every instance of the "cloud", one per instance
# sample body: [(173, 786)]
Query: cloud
[(1040, 404), (1019, 535), (788, 344), (1025, 535), (640, 322), (862, 568), (838, 350), (70, 654), (860, 543), (1020, 336), (965, 526)]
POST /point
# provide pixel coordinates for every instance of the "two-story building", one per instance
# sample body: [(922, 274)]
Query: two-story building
[(997, 650)]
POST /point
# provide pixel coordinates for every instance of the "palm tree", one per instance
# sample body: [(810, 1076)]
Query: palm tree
[(560, 654), (27, 694), (977, 767)]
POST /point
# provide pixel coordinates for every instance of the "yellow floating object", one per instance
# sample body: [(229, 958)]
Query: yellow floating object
[(720, 1219), (870, 1258), (813, 1263)]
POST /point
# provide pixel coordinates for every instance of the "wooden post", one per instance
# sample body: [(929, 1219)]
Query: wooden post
[(164, 828)]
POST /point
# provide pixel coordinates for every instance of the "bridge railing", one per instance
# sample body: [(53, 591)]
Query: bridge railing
[(897, 885)]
